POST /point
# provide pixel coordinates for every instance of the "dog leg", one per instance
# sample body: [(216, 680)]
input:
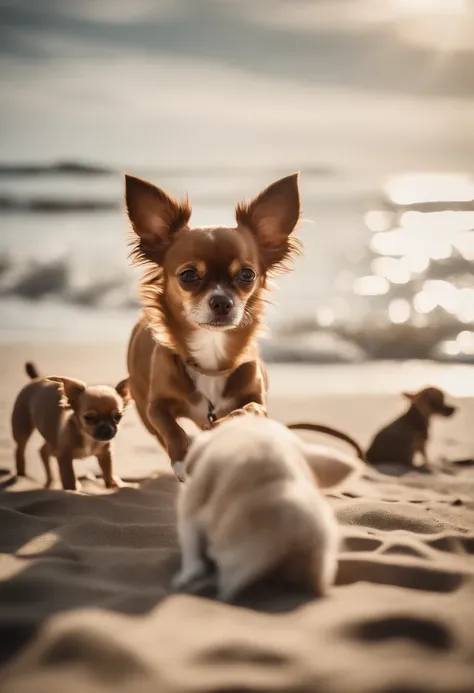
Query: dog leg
[(237, 569), (66, 471), (178, 469), (20, 457), (22, 428), (45, 455), (423, 466), (424, 457), (250, 408), (193, 562), (168, 430), (105, 463), (21, 439)]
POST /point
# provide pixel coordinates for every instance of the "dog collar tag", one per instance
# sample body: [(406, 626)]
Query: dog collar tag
[(211, 414)]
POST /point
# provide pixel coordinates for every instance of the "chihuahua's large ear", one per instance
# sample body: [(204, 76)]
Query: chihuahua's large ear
[(155, 217), (409, 395), (123, 389), (329, 466), (272, 217), (72, 388)]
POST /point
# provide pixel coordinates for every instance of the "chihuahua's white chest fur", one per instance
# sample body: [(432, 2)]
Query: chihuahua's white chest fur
[(209, 350)]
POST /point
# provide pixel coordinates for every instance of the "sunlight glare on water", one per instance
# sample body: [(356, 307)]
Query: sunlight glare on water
[(371, 286), (378, 220), (396, 271), (445, 221), (435, 233), (430, 187), (399, 311)]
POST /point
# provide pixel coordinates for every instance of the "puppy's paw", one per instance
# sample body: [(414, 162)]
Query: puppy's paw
[(252, 408), (232, 415), (179, 581), (116, 482), (193, 580), (78, 488), (178, 469)]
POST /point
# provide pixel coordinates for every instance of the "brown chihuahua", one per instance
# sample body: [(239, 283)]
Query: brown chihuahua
[(75, 420), (193, 354), (399, 441)]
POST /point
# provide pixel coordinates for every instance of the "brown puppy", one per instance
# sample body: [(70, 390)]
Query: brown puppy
[(75, 420), (399, 441), (194, 354)]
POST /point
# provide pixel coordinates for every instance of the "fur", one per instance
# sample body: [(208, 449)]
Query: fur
[(399, 441), (257, 511), (75, 421), (186, 352)]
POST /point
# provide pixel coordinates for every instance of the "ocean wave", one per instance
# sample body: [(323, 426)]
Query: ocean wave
[(73, 187), (79, 168), (75, 168), (314, 347), (36, 281), (57, 204), (110, 290)]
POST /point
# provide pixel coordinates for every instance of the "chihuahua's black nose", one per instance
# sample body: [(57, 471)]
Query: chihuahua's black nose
[(104, 432), (221, 305)]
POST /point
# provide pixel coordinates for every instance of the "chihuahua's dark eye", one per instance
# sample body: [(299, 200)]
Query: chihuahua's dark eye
[(90, 419), (246, 275), (117, 416), (188, 276)]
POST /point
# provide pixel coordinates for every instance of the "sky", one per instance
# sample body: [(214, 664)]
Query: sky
[(360, 85)]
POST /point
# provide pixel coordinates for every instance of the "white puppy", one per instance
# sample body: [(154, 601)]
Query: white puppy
[(252, 504)]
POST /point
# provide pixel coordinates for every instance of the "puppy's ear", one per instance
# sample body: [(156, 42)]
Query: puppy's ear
[(409, 395), (330, 467), (72, 388), (123, 389), (272, 217), (155, 217)]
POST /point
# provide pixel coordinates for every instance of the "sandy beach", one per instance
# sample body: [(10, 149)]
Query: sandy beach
[(85, 578), (373, 103)]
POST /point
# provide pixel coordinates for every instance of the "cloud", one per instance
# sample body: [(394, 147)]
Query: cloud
[(206, 81), (177, 111), (333, 42)]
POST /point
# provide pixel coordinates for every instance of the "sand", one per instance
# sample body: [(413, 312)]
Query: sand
[(85, 599)]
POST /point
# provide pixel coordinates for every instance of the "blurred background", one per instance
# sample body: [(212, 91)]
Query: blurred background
[(372, 100)]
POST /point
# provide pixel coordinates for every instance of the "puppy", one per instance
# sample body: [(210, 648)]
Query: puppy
[(193, 354), (252, 504), (400, 440), (75, 420)]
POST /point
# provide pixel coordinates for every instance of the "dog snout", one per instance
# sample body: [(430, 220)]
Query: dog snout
[(221, 305), (104, 432)]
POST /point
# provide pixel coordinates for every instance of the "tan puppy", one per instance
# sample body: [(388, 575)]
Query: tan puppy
[(399, 441), (252, 504), (75, 420)]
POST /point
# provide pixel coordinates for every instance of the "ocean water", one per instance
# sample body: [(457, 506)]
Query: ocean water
[(64, 268), (218, 99)]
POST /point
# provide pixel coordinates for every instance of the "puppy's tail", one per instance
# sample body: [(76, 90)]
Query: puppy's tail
[(31, 370), (319, 428)]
